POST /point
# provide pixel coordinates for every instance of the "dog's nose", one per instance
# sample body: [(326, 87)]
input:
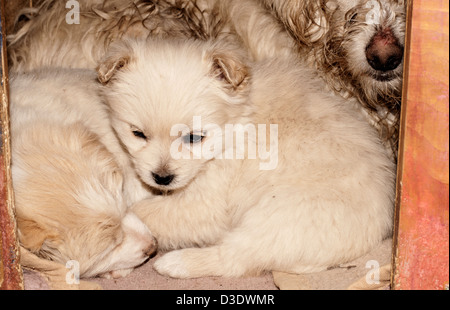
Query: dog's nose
[(384, 53), (163, 180)]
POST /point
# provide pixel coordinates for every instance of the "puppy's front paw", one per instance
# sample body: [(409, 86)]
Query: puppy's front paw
[(172, 265)]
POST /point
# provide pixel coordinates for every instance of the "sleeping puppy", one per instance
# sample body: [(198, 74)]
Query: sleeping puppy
[(262, 169), (68, 176)]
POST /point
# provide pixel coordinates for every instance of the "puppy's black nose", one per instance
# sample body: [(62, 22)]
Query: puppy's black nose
[(163, 180)]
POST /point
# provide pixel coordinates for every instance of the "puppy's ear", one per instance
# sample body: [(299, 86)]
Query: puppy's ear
[(109, 66), (118, 57), (231, 69)]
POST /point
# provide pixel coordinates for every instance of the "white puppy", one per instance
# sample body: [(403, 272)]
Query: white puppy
[(68, 185), (315, 188)]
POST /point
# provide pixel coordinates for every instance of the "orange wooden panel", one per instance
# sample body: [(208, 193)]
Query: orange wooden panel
[(422, 254), (10, 269)]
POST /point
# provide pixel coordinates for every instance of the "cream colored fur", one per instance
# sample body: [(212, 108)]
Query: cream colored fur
[(68, 172), (327, 35), (328, 200)]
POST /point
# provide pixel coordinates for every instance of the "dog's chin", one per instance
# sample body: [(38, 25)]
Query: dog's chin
[(382, 80), (383, 76)]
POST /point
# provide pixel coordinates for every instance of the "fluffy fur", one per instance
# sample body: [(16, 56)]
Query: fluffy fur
[(331, 36), (48, 40), (328, 200), (357, 46), (68, 176), (105, 21)]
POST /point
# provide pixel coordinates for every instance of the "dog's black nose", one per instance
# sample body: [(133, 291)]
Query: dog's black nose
[(384, 53), (385, 61), (163, 180)]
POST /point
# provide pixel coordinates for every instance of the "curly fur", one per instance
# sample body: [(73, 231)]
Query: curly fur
[(47, 40), (334, 36)]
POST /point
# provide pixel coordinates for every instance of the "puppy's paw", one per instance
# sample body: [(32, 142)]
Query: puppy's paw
[(172, 265)]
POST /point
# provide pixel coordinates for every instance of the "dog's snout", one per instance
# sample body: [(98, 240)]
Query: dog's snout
[(384, 53), (163, 179)]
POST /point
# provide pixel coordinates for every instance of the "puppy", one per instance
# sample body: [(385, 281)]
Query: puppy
[(68, 184), (357, 46), (313, 191)]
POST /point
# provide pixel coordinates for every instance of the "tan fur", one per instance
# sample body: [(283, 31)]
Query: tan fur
[(47, 40), (328, 199), (68, 183)]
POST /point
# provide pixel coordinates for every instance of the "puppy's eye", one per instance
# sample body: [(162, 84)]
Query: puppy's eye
[(139, 134), (193, 138)]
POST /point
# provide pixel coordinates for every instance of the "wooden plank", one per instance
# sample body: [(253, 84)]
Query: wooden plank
[(422, 249), (10, 270)]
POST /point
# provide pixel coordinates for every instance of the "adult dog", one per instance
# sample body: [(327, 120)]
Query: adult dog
[(357, 46)]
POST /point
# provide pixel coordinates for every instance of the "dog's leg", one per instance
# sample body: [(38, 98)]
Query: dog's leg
[(180, 222), (257, 244), (215, 261), (232, 260), (238, 255), (190, 263)]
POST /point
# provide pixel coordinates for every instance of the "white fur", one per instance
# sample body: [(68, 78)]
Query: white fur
[(329, 200)]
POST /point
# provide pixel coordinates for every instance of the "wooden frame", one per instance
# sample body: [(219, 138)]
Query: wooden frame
[(10, 270), (421, 237)]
